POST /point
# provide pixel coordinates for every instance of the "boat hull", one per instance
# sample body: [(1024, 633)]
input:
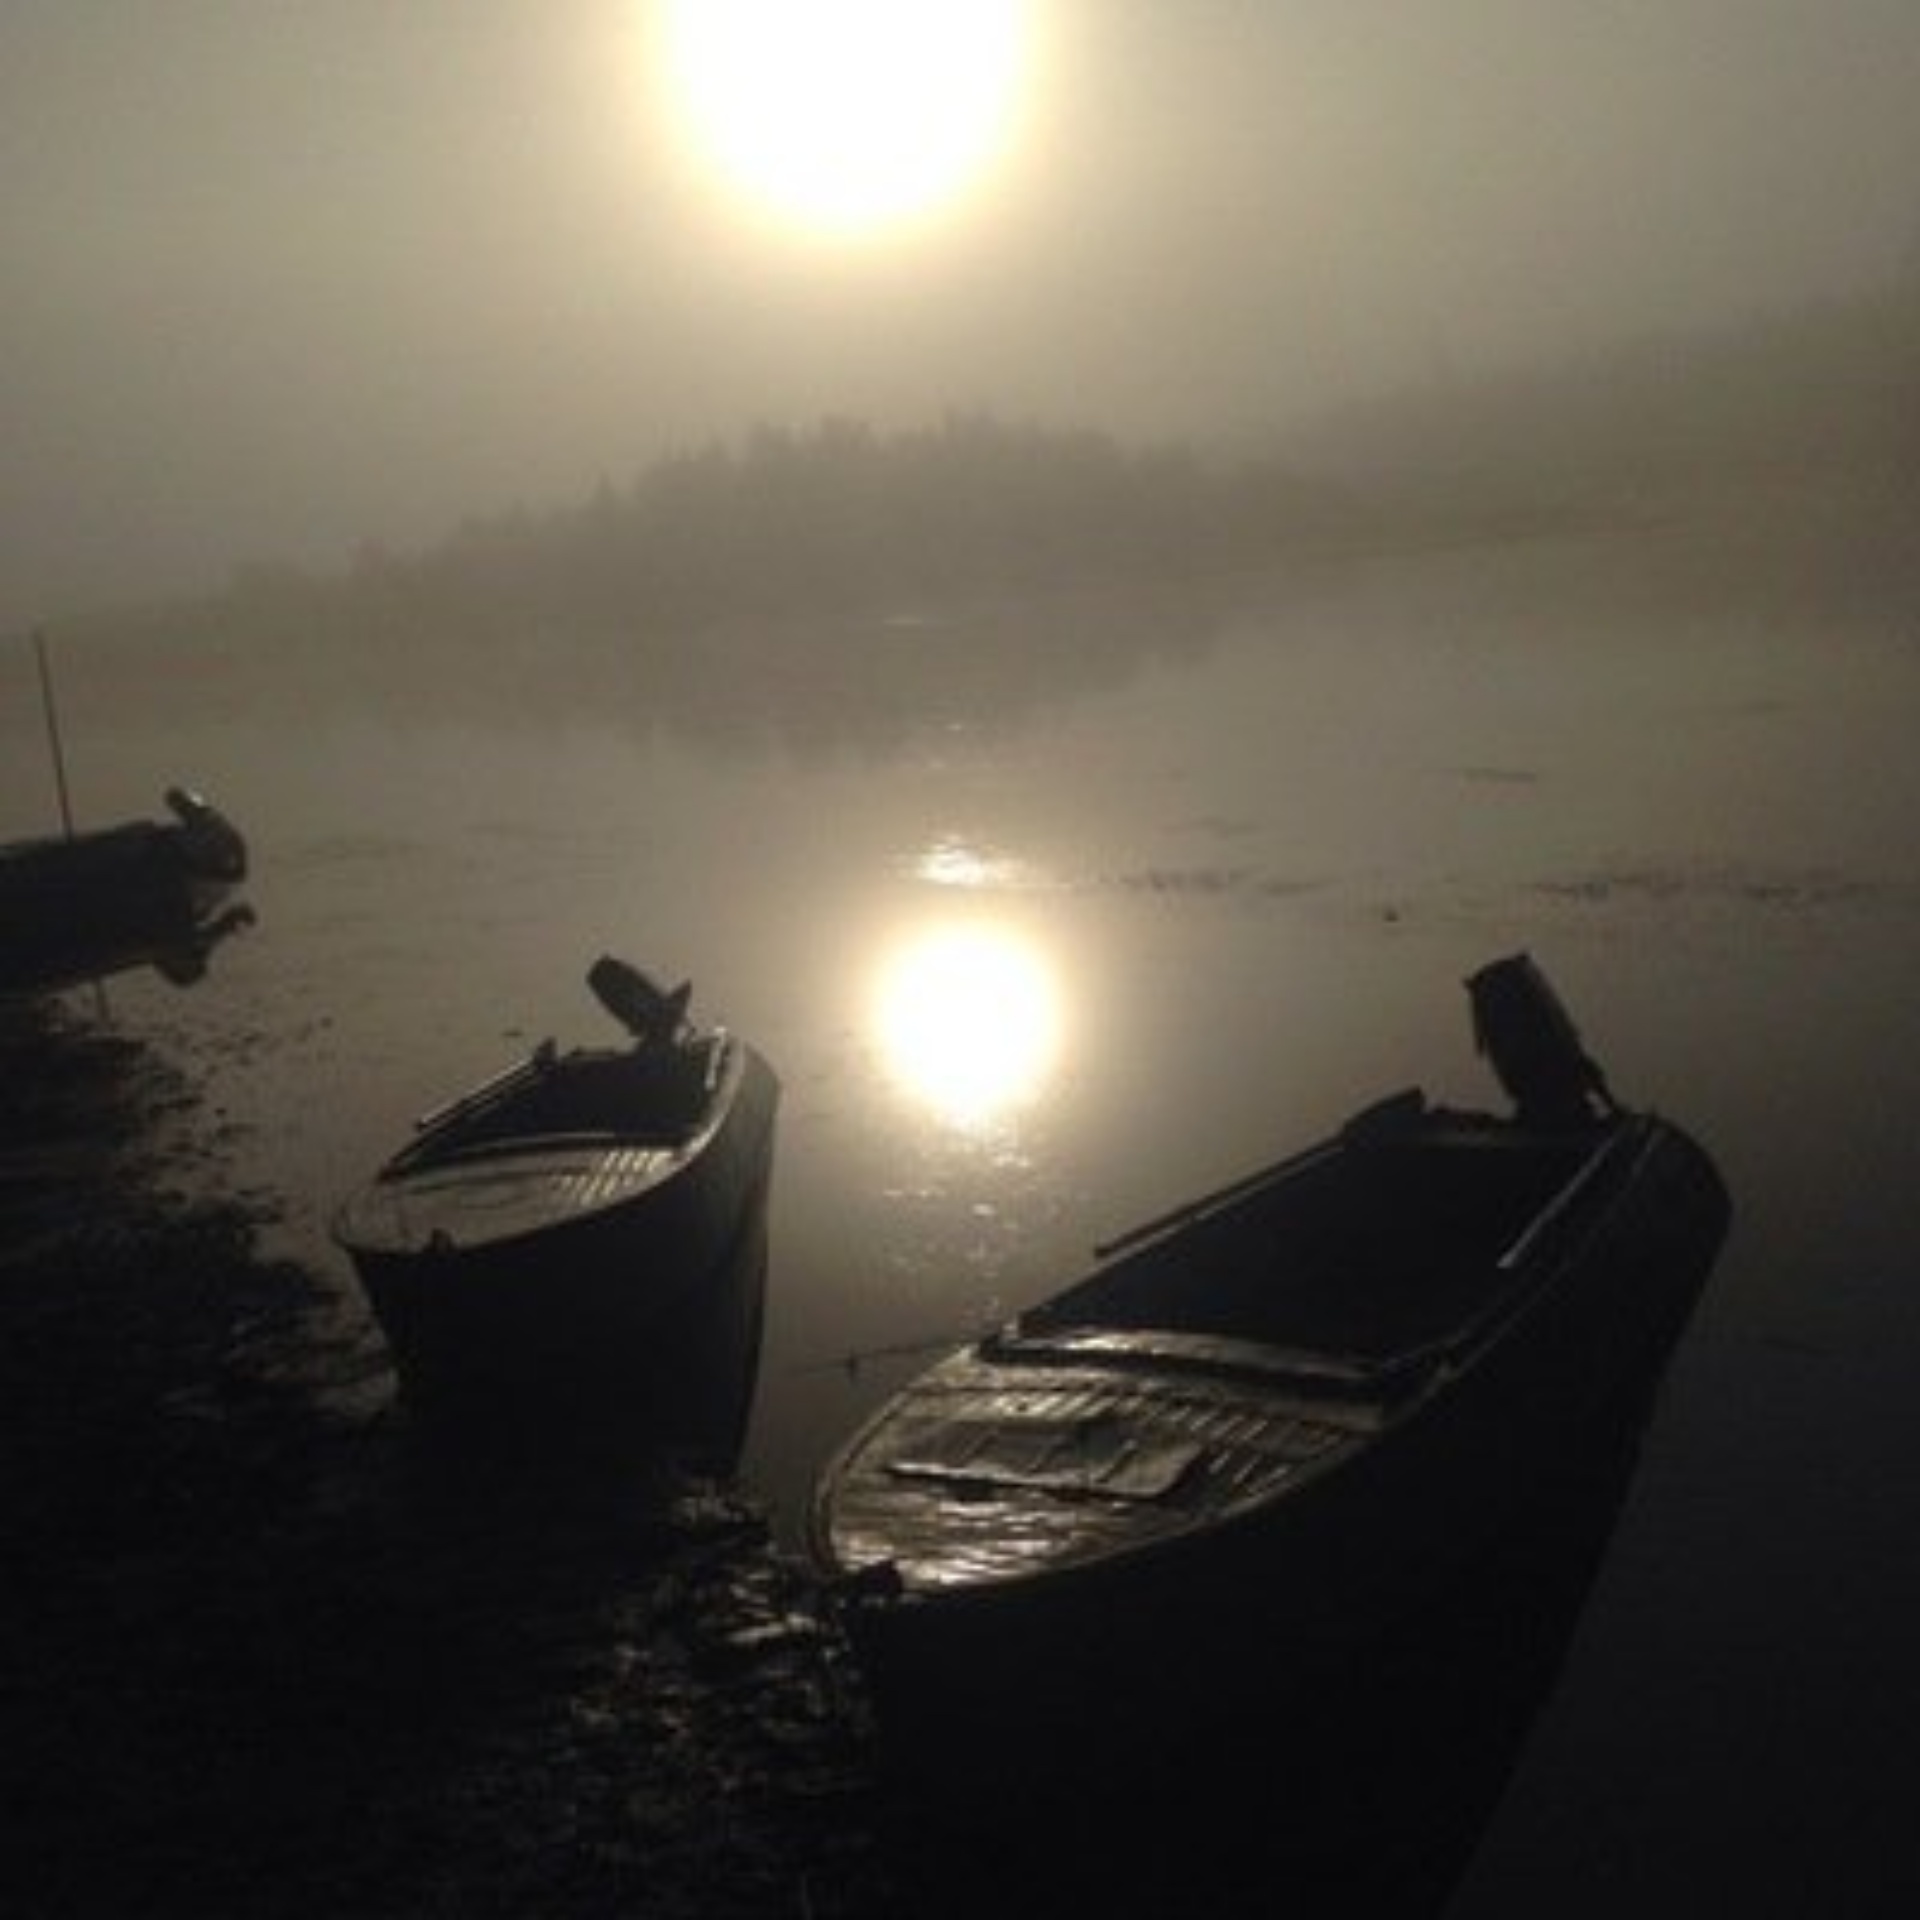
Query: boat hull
[(616, 1317), (1271, 1595), (101, 902)]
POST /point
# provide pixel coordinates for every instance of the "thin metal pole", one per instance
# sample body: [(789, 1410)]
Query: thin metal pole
[(100, 1003), (53, 730)]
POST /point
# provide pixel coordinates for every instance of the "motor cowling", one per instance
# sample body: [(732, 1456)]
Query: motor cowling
[(1529, 1038), (653, 1014), (209, 843)]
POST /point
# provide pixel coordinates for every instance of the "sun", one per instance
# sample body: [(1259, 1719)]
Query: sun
[(848, 117)]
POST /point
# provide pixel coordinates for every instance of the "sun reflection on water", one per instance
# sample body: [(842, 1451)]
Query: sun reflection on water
[(969, 1020), (950, 860)]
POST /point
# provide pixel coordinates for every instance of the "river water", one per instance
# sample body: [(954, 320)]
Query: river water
[(1092, 928)]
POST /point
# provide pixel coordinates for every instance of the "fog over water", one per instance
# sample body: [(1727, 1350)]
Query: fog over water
[(1252, 863), (284, 280), (541, 553)]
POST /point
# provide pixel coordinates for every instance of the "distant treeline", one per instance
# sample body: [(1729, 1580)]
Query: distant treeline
[(831, 520), (1828, 391), (843, 566)]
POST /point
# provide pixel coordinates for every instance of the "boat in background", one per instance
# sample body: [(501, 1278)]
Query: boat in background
[(1270, 1422), (79, 907), (573, 1241)]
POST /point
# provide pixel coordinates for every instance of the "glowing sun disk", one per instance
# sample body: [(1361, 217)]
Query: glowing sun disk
[(845, 115)]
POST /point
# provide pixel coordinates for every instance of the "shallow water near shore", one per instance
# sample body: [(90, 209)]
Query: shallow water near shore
[(1224, 885)]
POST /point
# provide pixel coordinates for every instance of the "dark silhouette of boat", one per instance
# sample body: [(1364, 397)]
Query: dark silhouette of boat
[(583, 1234), (1271, 1422), (146, 892), (1374, 1784)]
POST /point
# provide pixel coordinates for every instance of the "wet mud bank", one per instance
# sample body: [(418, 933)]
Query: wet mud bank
[(260, 1653), (263, 1653)]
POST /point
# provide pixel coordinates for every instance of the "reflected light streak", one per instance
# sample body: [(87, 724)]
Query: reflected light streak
[(953, 862), (969, 1021)]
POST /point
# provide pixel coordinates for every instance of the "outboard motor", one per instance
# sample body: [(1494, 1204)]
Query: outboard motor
[(1520, 1025), (209, 843), (652, 1014)]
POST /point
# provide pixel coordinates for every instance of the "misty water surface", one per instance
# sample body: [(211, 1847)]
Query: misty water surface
[(1241, 869)]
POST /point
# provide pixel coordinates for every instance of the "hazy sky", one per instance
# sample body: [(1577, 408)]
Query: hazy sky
[(283, 276)]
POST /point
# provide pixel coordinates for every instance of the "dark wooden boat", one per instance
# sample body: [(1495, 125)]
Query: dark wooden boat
[(575, 1235), (146, 892), (1266, 1424)]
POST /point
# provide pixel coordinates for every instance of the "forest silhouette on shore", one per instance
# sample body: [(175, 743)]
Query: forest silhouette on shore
[(840, 577)]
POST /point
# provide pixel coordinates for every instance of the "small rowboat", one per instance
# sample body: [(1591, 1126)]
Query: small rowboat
[(145, 892), (570, 1235), (1268, 1423)]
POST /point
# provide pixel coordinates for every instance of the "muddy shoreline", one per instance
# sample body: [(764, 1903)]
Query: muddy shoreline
[(262, 1655)]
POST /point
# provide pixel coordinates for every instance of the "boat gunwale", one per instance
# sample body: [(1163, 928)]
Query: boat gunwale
[(1333, 1370), (419, 1161), (430, 1147), (510, 1146), (1174, 1352)]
